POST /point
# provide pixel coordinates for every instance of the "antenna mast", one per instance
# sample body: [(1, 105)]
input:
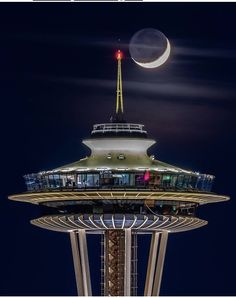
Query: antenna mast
[(119, 92)]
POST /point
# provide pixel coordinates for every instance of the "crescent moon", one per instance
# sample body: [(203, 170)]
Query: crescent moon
[(158, 62)]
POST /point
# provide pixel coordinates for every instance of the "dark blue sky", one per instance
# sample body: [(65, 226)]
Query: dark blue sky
[(57, 78)]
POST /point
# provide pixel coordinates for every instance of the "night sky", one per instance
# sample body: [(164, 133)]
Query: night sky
[(58, 78)]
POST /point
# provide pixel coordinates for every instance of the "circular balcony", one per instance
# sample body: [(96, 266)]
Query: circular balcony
[(140, 223), (136, 195)]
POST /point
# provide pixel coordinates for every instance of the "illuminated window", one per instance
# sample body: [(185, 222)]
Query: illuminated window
[(121, 156)]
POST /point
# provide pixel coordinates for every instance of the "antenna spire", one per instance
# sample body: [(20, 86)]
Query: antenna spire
[(119, 93)]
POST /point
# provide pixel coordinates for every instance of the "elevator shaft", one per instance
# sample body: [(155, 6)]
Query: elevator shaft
[(119, 263)]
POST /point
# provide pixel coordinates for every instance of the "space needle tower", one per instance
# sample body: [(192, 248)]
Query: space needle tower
[(120, 193)]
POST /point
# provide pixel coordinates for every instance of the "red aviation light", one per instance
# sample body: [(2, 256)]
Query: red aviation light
[(119, 55)]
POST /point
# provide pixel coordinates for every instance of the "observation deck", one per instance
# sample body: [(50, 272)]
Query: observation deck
[(119, 168), (118, 130)]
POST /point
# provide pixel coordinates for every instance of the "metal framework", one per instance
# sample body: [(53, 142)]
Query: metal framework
[(119, 263), (118, 127), (119, 93), (50, 196), (114, 251), (81, 262), (138, 223), (155, 263)]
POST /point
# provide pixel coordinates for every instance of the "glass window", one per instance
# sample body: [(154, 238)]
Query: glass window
[(166, 180), (139, 180), (92, 180)]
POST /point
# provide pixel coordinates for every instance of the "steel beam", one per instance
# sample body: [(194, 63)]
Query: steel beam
[(127, 271), (151, 264), (77, 263), (85, 263), (81, 263), (160, 264)]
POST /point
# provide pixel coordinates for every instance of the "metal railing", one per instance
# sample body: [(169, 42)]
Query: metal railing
[(113, 188), (118, 127)]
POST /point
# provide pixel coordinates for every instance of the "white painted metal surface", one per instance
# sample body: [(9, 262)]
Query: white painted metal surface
[(127, 271), (160, 264), (85, 263), (151, 264), (77, 263)]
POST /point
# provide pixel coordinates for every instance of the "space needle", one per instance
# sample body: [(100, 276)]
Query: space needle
[(120, 193)]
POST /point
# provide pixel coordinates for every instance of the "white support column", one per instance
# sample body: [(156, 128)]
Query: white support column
[(160, 264), (151, 264), (127, 271), (77, 263), (85, 263)]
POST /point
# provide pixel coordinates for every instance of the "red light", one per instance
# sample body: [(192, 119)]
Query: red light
[(146, 176), (119, 55)]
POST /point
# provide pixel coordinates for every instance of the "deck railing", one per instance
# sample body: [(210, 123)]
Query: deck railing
[(118, 127)]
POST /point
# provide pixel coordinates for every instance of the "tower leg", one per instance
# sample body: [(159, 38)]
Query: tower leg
[(81, 264), (103, 253), (85, 263), (151, 264), (155, 263), (127, 271), (77, 263), (134, 263)]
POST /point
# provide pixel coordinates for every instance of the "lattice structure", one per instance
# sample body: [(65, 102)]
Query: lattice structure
[(113, 263)]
